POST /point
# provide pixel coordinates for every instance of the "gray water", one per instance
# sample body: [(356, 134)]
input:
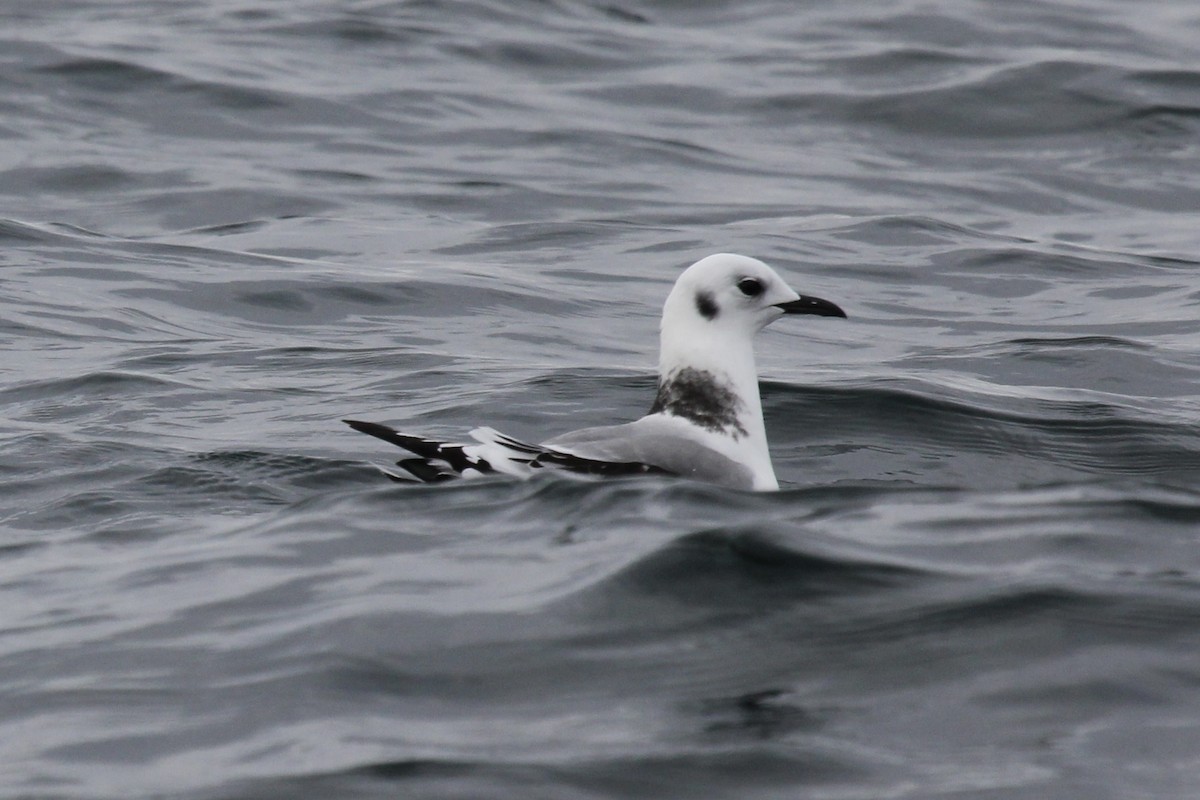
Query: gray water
[(224, 226)]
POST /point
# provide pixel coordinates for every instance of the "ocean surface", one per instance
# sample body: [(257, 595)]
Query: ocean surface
[(227, 224)]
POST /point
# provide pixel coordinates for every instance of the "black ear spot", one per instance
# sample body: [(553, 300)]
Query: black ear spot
[(706, 305), (751, 287)]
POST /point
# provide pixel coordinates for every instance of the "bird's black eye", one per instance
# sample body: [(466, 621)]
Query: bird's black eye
[(751, 287)]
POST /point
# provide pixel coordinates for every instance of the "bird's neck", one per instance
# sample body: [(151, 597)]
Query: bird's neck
[(712, 381)]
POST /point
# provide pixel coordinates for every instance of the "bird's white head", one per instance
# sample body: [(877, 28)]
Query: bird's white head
[(725, 299)]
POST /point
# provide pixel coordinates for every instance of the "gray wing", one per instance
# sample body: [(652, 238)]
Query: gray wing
[(649, 441)]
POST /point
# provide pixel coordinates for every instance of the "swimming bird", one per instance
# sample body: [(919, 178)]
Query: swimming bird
[(706, 421)]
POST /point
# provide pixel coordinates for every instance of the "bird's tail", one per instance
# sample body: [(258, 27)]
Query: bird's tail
[(439, 461)]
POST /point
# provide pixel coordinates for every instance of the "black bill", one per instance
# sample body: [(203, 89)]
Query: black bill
[(812, 305)]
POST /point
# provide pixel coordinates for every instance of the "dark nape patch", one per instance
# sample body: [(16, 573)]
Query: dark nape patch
[(706, 305), (697, 395)]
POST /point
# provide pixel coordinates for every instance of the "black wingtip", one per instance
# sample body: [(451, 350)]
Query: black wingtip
[(373, 428), (423, 470), (414, 444)]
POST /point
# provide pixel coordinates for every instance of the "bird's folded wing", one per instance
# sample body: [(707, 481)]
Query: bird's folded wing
[(660, 442), (543, 456)]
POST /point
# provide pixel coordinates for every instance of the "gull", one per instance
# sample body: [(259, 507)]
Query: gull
[(706, 422)]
